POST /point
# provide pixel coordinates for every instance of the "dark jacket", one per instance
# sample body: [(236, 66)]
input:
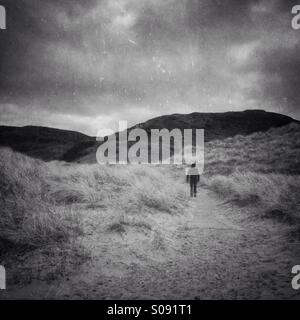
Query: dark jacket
[(192, 175)]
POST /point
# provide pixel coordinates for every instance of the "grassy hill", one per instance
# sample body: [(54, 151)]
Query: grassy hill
[(40, 202), (216, 126), (274, 151), (41, 142), (220, 125), (260, 171), (54, 144), (53, 213)]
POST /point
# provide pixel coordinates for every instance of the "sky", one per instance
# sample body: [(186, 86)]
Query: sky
[(85, 65)]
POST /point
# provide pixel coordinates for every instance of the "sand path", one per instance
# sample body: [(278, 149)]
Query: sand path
[(208, 252)]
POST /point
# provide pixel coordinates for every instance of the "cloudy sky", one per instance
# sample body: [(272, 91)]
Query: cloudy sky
[(84, 65)]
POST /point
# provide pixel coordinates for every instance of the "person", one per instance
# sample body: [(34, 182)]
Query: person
[(193, 177)]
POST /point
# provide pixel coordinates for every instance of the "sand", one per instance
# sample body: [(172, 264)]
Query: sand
[(212, 250)]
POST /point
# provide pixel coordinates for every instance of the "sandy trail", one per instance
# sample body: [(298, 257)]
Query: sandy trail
[(208, 252)]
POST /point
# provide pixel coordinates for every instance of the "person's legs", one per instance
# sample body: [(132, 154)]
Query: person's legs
[(195, 189), (191, 189)]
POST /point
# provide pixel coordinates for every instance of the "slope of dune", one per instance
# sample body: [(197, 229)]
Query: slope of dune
[(84, 231), (41, 142), (220, 125), (41, 201), (54, 144), (274, 151), (130, 232), (260, 171)]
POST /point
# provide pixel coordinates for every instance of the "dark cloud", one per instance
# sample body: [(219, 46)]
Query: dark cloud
[(281, 78), (100, 58)]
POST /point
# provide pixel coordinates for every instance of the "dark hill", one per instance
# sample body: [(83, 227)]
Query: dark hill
[(220, 125), (41, 142), (54, 144), (217, 126)]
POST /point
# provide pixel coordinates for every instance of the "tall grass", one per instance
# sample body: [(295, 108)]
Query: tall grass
[(274, 151), (260, 170), (28, 213), (40, 202), (275, 195), (131, 187)]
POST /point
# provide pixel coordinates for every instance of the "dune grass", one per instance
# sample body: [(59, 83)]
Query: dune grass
[(274, 195), (131, 187), (29, 215), (274, 151), (41, 202), (260, 171)]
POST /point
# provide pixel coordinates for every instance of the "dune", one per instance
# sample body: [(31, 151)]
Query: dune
[(85, 231)]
